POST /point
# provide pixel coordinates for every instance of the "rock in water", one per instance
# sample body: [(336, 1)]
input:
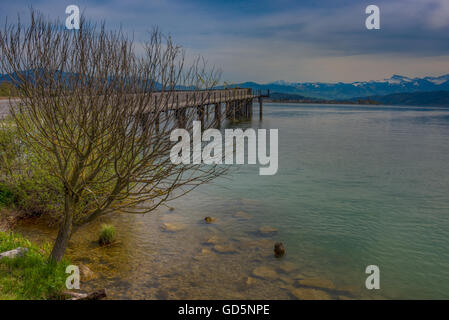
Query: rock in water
[(310, 294), (242, 215), (265, 273), (317, 283), (267, 231), (214, 240), (279, 250), (225, 248), (250, 281), (288, 267), (86, 273), (209, 219), (172, 227)]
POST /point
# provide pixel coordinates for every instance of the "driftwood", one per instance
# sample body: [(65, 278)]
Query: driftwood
[(19, 252), (94, 295)]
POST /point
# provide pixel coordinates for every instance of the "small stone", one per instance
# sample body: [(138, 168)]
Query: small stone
[(85, 273), (265, 273), (172, 227), (19, 252), (317, 283), (242, 215), (209, 219), (288, 267), (310, 294), (267, 230), (279, 250), (250, 281), (286, 280), (299, 276), (206, 251), (224, 248), (214, 240)]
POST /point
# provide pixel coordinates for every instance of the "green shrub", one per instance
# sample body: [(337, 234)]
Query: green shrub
[(35, 189), (31, 276), (25, 182), (6, 196), (107, 234), (7, 89)]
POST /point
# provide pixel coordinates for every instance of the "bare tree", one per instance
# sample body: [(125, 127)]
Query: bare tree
[(97, 114)]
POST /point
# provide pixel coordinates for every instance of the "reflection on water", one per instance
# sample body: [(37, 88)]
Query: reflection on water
[(356, 185)]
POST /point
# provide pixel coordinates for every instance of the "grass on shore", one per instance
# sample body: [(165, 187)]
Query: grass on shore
[(31, 277)]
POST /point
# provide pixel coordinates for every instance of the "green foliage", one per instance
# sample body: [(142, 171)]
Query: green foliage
[(7, 89), (31, 276), (25, 182), (6, 196), (35, 188), (107, 234)]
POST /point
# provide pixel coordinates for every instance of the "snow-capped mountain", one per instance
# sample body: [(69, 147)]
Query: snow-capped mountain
[(340, 90)]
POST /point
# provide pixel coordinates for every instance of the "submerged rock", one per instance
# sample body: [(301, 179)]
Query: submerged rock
[(209, 219), (317, 283), (250, 281), (310, 294), (206, 251), (287, 280), (242, 215), (225, 248), (279, 250), (214, 240), (287, 267), (85, 273), (265, 273), (267, 231), (172, 227)]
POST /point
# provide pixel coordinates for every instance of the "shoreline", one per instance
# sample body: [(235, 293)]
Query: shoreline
[(9, 218)]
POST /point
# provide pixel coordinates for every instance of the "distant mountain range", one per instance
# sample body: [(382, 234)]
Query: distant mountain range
[(395, 90), (431, 98), (421, 98), (334, 91)]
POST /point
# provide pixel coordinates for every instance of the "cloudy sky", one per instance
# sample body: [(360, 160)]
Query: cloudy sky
[(302, 40)]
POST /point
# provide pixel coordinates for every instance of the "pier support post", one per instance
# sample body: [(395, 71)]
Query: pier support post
[(200, 113), (260, 107), (217, 114), (180, 116)]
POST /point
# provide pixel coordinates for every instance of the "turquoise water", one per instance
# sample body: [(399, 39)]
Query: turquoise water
[(356, 186)]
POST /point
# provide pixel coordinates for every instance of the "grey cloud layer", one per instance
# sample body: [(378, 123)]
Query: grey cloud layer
[(293, 40)]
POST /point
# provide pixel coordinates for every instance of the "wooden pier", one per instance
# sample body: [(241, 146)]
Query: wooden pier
[(233, 104), (238, 103)]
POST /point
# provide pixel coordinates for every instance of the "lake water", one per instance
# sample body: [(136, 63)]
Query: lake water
[(356, 186)]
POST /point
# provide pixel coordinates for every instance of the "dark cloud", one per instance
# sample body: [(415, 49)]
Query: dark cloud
[(259, 40)]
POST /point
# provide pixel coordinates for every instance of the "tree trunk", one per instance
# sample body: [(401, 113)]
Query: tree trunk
[(65, 230)]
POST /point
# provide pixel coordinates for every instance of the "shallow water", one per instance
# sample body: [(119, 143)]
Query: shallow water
[(356, 186)]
